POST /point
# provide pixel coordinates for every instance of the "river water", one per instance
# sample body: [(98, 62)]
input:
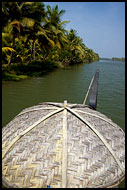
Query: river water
[(70, 84)]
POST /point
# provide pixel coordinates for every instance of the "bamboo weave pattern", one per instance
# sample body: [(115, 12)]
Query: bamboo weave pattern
[(38, 157)]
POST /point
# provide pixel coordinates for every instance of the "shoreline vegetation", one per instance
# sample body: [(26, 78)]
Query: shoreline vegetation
[(35, 41)]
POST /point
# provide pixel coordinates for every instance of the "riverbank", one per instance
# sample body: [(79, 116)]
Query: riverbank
[(16, 72)]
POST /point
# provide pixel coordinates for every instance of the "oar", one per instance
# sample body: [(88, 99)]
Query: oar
[(94, 91)]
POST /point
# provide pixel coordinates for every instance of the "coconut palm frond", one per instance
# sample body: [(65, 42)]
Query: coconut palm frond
[(78, 47), (58, 44), (62, 23), (6, 49)]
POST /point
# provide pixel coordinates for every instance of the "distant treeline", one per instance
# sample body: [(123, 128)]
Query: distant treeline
[(35, 39), (113, 59), (118, 59)]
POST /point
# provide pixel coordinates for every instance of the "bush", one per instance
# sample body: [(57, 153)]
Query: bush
[(18, 68), (40, 66), (34, 66), (7, 76)]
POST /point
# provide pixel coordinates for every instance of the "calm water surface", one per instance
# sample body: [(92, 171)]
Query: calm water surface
[(69, 84)]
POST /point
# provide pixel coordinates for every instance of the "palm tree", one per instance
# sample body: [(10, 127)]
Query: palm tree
[(54, 24), (34, 11), (54, 15), (6, 43), (12, 13), (24, 17), (74, 46)]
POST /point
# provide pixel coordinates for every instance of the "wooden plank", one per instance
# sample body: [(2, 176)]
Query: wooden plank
[(94, 91)]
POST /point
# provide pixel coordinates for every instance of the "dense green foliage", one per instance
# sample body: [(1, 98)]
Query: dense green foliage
[(34, 39)]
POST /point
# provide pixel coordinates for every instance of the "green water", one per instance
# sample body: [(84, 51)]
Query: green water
[(70, 84)]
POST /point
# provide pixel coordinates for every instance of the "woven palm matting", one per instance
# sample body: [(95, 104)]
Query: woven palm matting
[(48, 145)]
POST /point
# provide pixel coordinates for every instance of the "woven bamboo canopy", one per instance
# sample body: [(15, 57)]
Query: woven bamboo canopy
[(62, 145)]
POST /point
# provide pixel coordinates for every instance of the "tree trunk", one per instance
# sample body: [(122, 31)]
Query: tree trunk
[(34, 51), (9, 61)]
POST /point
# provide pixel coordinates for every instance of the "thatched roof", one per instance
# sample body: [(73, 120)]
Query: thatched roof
[(62, 145)]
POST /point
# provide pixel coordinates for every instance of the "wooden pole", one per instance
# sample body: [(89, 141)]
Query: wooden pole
[(88, 91)]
